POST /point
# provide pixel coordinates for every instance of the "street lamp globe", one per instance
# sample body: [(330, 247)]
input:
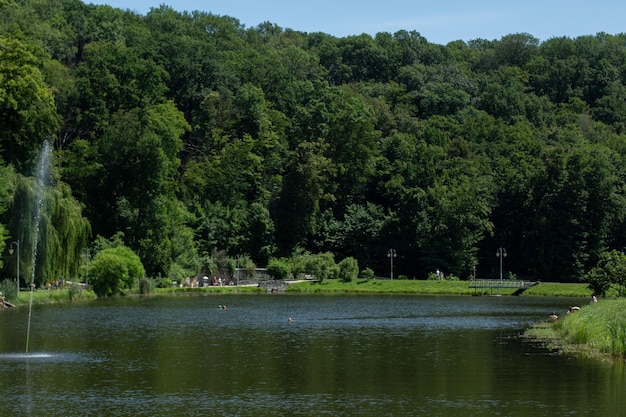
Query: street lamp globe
[(501, 253), (391, 253)]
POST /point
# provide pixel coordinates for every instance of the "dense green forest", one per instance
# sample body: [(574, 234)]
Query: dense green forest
[(191, 137)]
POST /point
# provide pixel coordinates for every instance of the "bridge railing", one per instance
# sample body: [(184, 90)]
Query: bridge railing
[(505, 283)]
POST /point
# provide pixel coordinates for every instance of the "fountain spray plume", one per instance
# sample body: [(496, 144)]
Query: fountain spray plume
[(42, 173)]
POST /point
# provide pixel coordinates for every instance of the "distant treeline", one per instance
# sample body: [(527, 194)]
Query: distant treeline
[(200, 139)]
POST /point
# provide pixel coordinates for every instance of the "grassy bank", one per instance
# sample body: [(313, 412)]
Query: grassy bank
[(72, 295), (54, 296), (598, 330), (331, 286), (430, 288), (558, 289), (211, 290)]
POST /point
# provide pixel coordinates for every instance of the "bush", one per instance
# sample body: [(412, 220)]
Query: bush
[(178, 273), (8, 289), (75, 291), (368, 273), (161, 283), (348, 269), (610, 272), (146, 286), (323, 266), (278, 268), (114, 270)]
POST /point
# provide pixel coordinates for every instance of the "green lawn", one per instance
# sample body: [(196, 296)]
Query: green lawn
[(432, 288), (53, 296), (598, 330), (333, 286)]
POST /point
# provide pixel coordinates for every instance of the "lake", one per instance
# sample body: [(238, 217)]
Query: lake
[(340, 355)]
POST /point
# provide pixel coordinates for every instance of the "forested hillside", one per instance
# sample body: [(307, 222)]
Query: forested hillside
[(196, 136)]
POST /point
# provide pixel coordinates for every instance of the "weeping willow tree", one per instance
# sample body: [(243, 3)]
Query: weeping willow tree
[(6, 191), (63, 231)]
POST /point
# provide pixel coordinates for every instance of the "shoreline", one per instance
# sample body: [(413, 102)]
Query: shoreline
[(597, 331), (328, 287)]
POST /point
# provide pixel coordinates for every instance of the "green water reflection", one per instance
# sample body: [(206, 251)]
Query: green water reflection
[(341, 355)]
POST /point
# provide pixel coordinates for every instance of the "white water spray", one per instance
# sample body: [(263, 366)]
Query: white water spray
[(42, 173)]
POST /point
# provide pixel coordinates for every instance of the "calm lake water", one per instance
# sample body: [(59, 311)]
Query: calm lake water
[(340, 356)]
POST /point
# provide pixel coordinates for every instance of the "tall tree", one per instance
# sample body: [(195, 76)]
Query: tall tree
[(26, 104), (139, 157), (306, 183), (63, 231)]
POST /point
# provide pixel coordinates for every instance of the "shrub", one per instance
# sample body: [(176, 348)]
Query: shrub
[(114, 270), (348, 269), (159, 283), (323, 266), (8, 289), (146, 286), (178, 273), (278, 268), (610, 272), (368, 273), (75, 291)]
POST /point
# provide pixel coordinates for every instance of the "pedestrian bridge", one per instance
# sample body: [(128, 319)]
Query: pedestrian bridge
[(519, 286)]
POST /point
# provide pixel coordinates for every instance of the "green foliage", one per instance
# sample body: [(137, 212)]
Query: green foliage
[(601, 325), (432, 277), (360, 232), (305, 184), (26, 104), (100, 243), (6, 191), (8, 289), (196, 136), (278, 268), (368, 274), (147, 285), (115, 270), (178, 273), (244, 261), (348, 269), (64, 231), (319, 266), (610, 272), (75, 291)]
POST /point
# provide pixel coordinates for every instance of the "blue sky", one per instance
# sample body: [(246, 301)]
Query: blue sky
[(439, 21)]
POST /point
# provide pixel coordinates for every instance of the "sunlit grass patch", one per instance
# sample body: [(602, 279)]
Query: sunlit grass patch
[(559, 289), (432, 287), (600, 325)]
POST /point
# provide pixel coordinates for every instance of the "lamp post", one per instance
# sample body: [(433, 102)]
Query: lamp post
[(501, 253), (391, 253), (17, 278)]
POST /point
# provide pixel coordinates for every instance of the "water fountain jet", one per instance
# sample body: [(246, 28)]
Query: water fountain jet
[(42, 172)]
